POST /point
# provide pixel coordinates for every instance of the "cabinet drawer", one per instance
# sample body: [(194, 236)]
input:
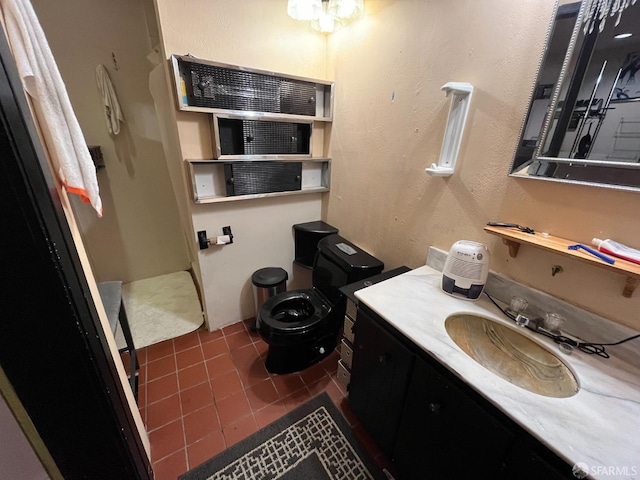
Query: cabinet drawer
[(348, 329), (346, 354), (344, 375), (352, 309)]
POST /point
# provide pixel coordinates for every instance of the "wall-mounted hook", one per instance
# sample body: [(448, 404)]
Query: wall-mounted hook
[(556, 269), (115, 62)]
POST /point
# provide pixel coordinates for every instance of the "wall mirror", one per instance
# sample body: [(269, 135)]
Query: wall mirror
[(583, 123)]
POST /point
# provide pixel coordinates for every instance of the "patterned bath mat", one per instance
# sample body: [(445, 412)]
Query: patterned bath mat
[(313, 442), (161, 308)]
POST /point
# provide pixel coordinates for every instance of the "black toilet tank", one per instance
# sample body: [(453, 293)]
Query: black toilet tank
[(338, 263)]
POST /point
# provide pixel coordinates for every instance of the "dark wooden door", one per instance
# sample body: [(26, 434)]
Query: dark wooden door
[(444, 434), (52, 346), (530, 460), (379, 376)]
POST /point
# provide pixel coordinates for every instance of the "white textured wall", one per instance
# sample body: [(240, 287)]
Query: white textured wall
[(139, 234), (256, 34), (262, 238), (390, 119)]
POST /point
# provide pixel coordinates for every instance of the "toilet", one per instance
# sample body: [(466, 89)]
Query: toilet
[(301, 327)]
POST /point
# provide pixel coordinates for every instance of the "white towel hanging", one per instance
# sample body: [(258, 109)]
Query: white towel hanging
[(112, 111), (52, 107)]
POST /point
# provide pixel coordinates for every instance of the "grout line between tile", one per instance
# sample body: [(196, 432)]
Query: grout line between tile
[(184, 436), (215, 403), (244, 388)]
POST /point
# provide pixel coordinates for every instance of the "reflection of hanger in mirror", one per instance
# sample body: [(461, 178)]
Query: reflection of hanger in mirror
[(585, 144), (586, 111)]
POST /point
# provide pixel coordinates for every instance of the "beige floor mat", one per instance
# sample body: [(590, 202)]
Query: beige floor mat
[(161, 308)]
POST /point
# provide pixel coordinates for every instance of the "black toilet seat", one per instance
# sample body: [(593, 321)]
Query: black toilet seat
[(277, 315)]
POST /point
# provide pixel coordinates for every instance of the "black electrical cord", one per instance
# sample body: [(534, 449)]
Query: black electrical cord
[(512, 317), (586, 347)]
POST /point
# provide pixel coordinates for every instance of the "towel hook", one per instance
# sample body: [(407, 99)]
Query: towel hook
[(115, 62)]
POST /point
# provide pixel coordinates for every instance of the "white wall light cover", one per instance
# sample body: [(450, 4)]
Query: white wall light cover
[(460, 99), (346, 8), (325, 15), (325, 23), (304, 9)]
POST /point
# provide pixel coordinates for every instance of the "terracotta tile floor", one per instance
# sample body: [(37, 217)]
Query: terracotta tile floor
[(205, 391)]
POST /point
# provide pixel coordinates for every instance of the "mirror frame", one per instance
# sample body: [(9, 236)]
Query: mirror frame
[(612, 168)]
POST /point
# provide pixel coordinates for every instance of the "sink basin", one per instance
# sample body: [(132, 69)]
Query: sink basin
[(511, 355)]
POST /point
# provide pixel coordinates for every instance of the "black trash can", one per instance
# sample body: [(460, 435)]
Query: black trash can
[(268, 282)]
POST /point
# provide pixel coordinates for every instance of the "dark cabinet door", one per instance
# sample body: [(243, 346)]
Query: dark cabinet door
[(529, 460), (379, 376), (444, 434)]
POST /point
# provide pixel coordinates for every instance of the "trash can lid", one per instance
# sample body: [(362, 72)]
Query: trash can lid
[(269, 277)]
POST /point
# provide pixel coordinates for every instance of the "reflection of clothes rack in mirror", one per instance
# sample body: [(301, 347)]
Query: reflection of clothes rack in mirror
[(605, 109), (582, 144), (585, 142), (580, 111), (613, 160), (571, 97)]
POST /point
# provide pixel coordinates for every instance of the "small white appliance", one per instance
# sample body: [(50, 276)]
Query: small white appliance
[(466, 269)]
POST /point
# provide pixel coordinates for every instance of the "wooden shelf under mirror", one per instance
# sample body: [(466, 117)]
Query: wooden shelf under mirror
[(514, 238)]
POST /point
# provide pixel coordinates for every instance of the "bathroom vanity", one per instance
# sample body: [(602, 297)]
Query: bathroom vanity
[(438, 414), (346, 345)]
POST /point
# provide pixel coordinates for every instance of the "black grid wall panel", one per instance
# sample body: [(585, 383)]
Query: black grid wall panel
[(267, 137), (263, 137), (224, 88), (248, 178), (273, 138)]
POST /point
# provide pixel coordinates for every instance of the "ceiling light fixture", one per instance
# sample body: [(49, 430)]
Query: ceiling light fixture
[(304, 9), (597, 11), (325, 15), (346, 9), (325, 23), (622, 35)]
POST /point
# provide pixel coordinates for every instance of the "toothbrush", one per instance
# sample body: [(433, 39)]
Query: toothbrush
[(601, 256)]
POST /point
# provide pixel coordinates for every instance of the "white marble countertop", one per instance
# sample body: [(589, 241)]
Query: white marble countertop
[(599, 426)]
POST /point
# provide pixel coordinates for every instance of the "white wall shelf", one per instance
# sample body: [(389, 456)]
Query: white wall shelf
[(208, 179), (513, 239), (260, 121), (207, 200)]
